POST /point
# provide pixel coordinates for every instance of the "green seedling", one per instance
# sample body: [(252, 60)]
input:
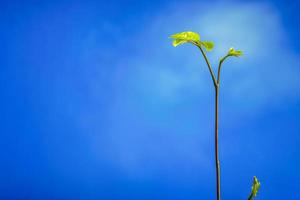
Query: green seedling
[(194, 38)]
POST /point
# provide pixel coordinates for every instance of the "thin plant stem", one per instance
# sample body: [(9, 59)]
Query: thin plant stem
[(218, 183), (250, 197), (216, 85), (219, 69), (208, 65)]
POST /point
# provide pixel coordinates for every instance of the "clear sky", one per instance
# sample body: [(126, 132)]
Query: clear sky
[(97, 104)]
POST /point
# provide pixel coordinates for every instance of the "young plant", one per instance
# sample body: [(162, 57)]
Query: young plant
[(194, 38)]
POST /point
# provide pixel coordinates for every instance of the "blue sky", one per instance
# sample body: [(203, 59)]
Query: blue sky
[(97, 104)]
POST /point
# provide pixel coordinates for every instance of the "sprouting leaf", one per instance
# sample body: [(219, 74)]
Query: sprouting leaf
[(255, 188), (183, 37), (187, 36), (192, 37), (177, 42), (233, 52), (208, 45)]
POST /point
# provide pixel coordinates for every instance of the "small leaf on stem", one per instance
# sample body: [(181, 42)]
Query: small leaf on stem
[(254, 189), (183, 37), (208, 45), (233, 52), (191, 37)]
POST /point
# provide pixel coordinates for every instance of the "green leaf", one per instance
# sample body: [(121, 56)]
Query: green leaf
[(177, 42), (192, 37), (208, 45), (183, 37), (233, 52), (255, 188), (188, 35)]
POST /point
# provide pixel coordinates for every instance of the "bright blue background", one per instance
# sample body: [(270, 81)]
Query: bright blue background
[(97, 104)]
